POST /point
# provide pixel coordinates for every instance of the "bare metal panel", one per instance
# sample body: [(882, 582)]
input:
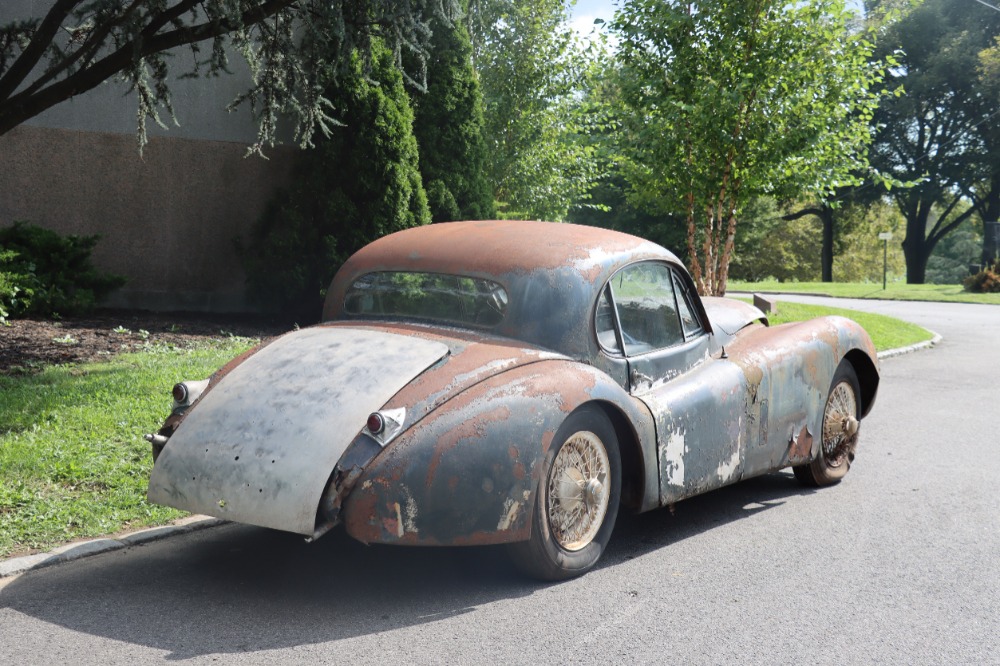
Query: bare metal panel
[(260, 446)]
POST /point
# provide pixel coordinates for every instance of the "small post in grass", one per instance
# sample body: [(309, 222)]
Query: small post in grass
[(885, 237)]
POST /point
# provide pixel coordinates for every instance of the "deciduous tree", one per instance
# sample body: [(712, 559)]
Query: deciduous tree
[(531, 66), (730, 100), (943, 132)]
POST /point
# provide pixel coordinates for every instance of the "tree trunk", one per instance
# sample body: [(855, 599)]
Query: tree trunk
[(826, 254), (991, 213), (824, 213), (916, 251)]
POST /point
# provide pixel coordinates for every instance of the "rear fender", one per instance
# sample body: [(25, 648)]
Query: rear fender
[(467, 473)]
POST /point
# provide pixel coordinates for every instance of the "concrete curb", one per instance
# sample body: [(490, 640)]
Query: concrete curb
[(80, 549), (899, 351)]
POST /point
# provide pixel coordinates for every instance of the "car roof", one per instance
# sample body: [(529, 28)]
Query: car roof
[(499, 247), (552, 271)]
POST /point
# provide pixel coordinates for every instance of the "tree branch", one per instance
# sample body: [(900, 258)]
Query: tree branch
[(23, 106), (29, 58), (791, 217), (933, 238), (91, 46)]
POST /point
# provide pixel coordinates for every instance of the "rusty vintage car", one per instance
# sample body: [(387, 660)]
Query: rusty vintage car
[(511, 383)]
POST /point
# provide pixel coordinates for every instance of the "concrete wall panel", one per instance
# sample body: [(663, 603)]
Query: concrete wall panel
[(168, 218)]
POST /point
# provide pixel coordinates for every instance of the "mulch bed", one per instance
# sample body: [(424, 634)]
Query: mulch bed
[(27, 345)]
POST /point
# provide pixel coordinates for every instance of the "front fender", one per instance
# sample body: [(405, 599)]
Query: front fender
[(467, 473)]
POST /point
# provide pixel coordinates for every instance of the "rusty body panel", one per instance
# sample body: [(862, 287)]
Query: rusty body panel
[(476, 408), (758, 409), (467, 473), (729, 317)]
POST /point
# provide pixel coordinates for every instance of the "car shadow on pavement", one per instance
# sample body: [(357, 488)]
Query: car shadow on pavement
[(637, 535), (238, 589)]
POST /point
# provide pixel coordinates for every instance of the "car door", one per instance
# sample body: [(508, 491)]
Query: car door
[(697, 401)]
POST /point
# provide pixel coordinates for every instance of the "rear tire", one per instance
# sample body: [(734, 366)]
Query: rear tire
[(577, 499), (840, 431)]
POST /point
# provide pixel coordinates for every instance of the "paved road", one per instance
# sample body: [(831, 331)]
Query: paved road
[(899, 564)]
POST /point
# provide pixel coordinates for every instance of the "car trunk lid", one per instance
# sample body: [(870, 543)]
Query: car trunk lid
[(259, 447)]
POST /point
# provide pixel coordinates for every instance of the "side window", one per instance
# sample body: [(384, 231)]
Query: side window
[(685, 306), (647, 310), (605, 324)]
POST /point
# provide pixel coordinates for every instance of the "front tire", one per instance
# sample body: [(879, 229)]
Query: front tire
[(840, 431), (577, 499)]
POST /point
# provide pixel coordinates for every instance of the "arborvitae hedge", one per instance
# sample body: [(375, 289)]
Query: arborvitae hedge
[(449, 129), (360, 183)]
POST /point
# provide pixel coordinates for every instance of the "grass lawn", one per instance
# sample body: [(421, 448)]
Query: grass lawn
[(897, 291), (73, 462)]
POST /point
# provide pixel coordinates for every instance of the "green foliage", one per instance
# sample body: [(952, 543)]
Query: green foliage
[(949, 264), (448, 124), (729, 101), (73, 462), (772, 247), (14, 290), (531, 68), (355, 186), (295, 49), (49, 274), (860, 252)]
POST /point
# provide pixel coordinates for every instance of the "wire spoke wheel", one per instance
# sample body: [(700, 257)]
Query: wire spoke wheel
[(577, 499), (578, 494), (840, 431), (840, 425)]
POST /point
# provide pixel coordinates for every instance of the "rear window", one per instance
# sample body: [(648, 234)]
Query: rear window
[(452, 299)]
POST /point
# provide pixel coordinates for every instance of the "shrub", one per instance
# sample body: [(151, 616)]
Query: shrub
[(448, 124), (14, 290), (986, 281), (43, 273)]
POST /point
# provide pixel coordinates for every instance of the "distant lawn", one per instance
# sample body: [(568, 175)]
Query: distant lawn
[(949, 293), (73, 462), (886, 332)]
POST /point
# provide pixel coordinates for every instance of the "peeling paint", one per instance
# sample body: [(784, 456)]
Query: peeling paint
[(728, 469), (511, 509), (673, 459), (399, 521)]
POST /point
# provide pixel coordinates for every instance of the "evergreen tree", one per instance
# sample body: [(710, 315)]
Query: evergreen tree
[(448, 124), (359, 184)]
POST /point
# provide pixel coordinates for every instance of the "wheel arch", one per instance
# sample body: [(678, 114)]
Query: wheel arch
[(868, 377), (633, 468)]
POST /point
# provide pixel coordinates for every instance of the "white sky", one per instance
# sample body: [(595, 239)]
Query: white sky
[(585, 11)]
